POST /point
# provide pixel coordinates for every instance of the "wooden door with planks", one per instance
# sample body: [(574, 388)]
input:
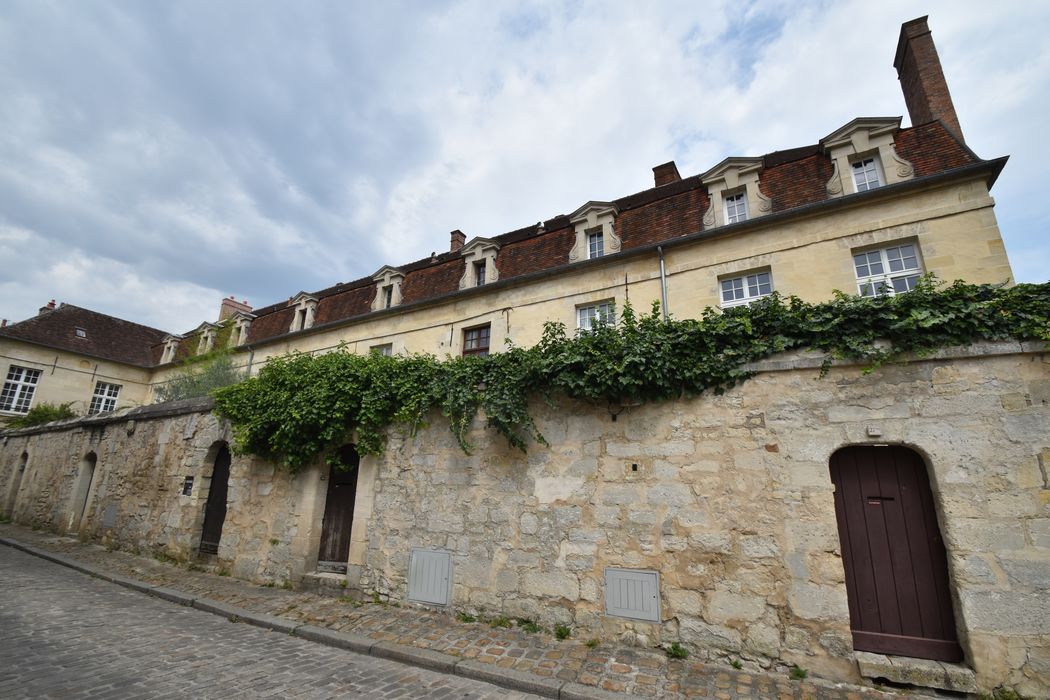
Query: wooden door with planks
[(895, 562), (339, 513)]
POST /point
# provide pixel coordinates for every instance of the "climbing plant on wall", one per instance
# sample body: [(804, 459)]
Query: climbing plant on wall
[(301, 406)]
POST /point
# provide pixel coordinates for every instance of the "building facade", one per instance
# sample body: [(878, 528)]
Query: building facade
[(721, 522)]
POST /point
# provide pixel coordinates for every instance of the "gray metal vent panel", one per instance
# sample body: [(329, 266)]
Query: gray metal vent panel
[(430, 576), (632, 593)]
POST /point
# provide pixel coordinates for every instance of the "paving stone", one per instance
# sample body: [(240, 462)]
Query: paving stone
[(426, 637)]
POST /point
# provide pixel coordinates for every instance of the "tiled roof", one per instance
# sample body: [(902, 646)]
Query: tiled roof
[(932, 149), (105, 337), (790, 178)]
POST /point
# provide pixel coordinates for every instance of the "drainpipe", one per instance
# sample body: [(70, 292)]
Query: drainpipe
[(663, 281)]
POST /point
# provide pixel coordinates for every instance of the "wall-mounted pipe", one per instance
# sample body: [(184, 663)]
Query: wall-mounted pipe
[(663, 281)]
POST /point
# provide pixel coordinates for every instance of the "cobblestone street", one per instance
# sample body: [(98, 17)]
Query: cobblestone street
[(76, 629), (67, 635)]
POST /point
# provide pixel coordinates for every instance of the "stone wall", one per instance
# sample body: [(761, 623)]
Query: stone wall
[(728, 497)]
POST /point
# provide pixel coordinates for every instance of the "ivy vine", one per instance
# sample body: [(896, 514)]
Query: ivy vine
[(301, 407)]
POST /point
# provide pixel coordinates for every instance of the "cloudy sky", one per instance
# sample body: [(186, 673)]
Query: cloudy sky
[(157, 156)]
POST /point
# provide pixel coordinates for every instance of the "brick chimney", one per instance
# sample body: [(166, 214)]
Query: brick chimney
[(458, 239), (230, 306), (47, 308), (666, 174), (3, 323), (922, 80)]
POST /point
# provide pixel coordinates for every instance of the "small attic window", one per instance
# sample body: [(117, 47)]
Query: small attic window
[(81, 333)]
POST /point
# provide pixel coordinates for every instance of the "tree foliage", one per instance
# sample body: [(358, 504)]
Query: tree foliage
[(43, 413), (201, 376), (301, 407)]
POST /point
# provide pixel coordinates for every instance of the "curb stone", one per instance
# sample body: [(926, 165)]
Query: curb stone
[(232, 612), (433, 660), (173, 595), (510, 678), (351, 642)]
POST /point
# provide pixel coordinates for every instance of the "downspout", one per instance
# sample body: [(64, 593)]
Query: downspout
[(663, 282)]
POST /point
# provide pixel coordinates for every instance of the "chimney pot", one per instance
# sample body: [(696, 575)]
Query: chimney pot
[(47, 308), (458, 239), (230, 306), (3, 322), (666, 174), (922, 78)]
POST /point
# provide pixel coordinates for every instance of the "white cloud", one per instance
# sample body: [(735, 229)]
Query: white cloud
[(260, 149)]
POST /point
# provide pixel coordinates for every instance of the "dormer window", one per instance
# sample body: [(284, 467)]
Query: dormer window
[(733, 188), (864, 156), (388, 288), (481, 268), (866, 174), (242, 322), (171, 348), (736, 208), (206, 337), (81, 333), (304, 309), (596, 237), (595, 244)]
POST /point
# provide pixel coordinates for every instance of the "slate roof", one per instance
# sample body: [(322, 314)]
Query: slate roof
[(105, 337)]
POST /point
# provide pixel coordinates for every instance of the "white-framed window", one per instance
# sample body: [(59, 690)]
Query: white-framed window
[(595, 244), (386, 349), (736, 207), (19, 387), (586, 316), (887, 270), (866, 174), (479, 273), (737, 291), (81, 333), (104, 399)]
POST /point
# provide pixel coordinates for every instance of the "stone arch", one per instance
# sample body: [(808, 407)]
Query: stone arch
[(220, 459)]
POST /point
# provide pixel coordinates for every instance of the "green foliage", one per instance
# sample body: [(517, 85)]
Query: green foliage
[(43, 413), (201, 376), (797, 673), (562, 631), (735, 663), (677, 651), (592, 643), (1002, 693), (466, 617), (302, 407), (500, 621), (528, 625)]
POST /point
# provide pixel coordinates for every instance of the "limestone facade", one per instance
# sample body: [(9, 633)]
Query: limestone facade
[(727, 498)]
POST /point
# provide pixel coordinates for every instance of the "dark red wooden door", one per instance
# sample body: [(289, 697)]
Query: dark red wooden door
[(339, 514), (215, 509), (896, 568)]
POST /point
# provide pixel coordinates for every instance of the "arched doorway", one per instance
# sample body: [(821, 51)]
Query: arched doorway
[(82, 489), (339, 513), (215, 508), (895, 562)]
